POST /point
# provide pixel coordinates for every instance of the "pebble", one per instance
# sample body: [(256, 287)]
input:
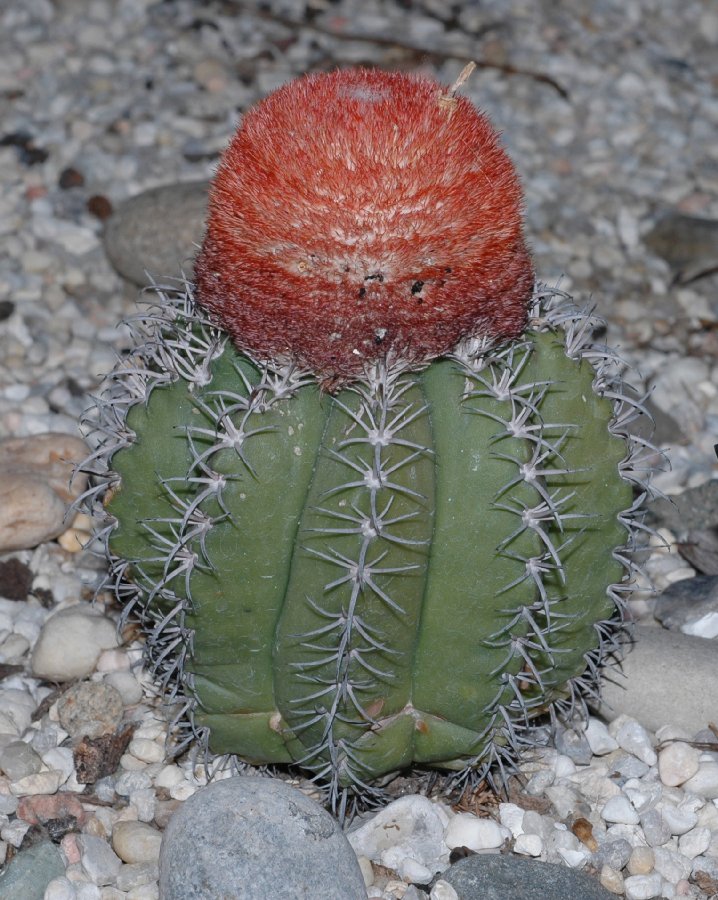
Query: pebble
[(98, 859), (496, 877), (612, 880), (18, 759), (153, 235), (412, 826), (466, 830), (90, 709), (677, 763), (70, 643), (649, 689), (705, 782), (619, 809), (29, 873), (263, 834), (126, 685), (528, 845), (691, 606), (136, 842), (641, 861), (36, 489), (643, 887), (599, 738)]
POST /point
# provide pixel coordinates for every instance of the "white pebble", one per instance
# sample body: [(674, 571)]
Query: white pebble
[(633, 738), (641, 861), (70, 643), (146, 750), (563, 766), (677, 763), (705, 782), (694, 842), (466, 830), (412, 871), (528, 845), (678, 819), (442, 890), (39, 783), (511, 816), (61, 760), (619, 809), (643, 887), (671, 865), (169, 776), (574, 859), (60, 889), (599, 740), (126, 685)]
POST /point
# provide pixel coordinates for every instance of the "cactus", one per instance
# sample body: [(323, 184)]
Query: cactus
[(357, 555)]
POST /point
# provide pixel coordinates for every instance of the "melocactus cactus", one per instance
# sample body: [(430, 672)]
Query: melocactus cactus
[(370, 490)]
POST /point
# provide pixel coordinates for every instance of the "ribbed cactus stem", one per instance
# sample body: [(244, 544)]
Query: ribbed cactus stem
[(411, 571)]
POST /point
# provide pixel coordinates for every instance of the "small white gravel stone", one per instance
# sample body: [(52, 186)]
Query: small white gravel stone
[(677, 763), (442, 890), (146, 750), (413, 872), (39, 783), (705, 782), (126, 685), (678, 819), (466, 830), (60, 889), (643, 887), (694, 842), (511, 816), (634, 738), (528, 845), (574, 859), (598, 737), (619, 809)]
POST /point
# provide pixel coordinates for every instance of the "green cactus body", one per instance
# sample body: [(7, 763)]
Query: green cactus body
[(411, 571)]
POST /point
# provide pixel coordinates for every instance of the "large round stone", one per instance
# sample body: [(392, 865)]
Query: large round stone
[(250, 838)]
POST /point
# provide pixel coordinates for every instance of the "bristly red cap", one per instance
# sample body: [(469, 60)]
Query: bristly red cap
[(363, 213)]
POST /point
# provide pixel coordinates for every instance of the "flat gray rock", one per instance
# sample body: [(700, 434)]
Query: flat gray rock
[(686, 602), (496, 877), (157, 232), (668, 678), (251, 838)]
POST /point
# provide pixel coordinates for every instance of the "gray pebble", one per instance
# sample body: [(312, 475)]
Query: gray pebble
[(99, 860), (252, 838), (685, 602), (649, 689), (574, 745), (498, 877), (28, 874), (613, 853), (156, 232), (18, 759), (655, 829)]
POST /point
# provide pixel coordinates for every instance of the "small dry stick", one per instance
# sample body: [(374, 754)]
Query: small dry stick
[(448, 100)]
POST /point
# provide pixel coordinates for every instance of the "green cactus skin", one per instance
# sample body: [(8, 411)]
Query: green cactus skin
[(410, 572)]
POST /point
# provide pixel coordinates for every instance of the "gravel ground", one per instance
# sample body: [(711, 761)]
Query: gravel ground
[(608, 110)]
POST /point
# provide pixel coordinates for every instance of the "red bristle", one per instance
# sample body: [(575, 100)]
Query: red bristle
[(363, 213)]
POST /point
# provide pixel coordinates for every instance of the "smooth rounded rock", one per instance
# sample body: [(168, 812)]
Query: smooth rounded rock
[(157, 232), (18, 760), (136, 842), (36, 487), (618, 809), (496, 877), (70, 643), (252, 838), (466, 830), (667, 677)]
